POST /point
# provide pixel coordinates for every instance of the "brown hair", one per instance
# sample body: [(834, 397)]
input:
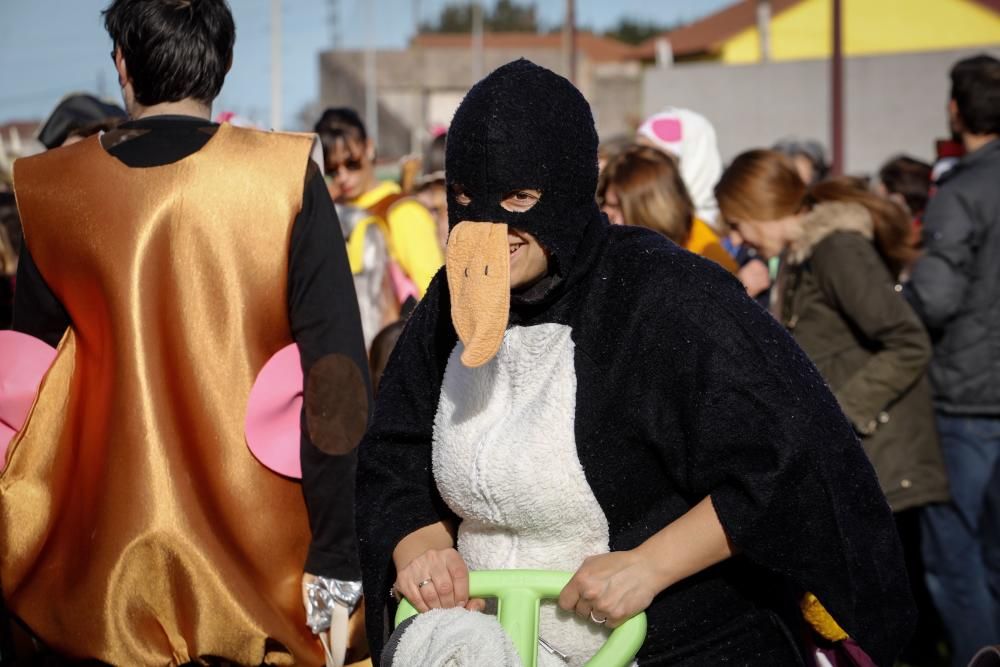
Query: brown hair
[(760, 185), (651, 191), (763, 185), (892, 226)]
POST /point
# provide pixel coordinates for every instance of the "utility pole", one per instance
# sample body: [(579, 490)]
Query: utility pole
[(837, 92), (569, 40), (333, 22), (276, 84), (764, 29), (371, 86), (477, 40)]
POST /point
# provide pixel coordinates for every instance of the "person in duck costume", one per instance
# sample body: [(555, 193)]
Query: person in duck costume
[(571, 395)]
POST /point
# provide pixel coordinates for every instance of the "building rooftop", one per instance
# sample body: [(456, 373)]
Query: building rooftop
[(708, 34), (595, 47)]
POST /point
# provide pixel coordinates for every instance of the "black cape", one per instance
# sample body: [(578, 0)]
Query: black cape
[(685, 388)]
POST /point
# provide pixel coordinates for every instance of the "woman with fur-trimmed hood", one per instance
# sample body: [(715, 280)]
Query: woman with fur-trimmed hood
[(838, 294)]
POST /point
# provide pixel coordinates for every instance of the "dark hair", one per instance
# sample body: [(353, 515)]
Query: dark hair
[(382, 346), (975, 87), (174, 49), (434, 155), (340, 124), (809, 149), (909, 178)]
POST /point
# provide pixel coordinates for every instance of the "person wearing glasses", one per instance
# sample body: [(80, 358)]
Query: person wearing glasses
[(391, 238)]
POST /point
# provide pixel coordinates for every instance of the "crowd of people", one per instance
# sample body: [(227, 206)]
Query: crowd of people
[(757, 401)]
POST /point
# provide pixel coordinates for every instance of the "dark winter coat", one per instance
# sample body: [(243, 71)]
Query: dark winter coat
[(685, 388), (844, 308), (955, 286)]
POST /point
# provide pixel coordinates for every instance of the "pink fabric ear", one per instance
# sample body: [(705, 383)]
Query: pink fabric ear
[(667, 129), (24, 360), (273, 421), (402, 286)]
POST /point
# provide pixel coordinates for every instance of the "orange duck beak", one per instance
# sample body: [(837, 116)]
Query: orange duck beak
[(478, 267)]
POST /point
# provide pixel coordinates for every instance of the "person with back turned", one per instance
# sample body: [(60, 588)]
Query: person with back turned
[(169, 259)]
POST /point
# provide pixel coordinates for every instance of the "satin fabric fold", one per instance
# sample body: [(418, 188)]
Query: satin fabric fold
[(135, 526)]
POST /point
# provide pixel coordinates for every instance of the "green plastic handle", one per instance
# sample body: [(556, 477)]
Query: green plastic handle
[(518, 593)]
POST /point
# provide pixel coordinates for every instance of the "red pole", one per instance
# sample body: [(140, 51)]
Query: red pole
[(837, 93)]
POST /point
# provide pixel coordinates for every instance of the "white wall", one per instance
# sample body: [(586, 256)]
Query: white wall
[(893, 104)]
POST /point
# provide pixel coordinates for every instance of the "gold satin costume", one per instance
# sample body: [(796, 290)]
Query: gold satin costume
[(135, 525)]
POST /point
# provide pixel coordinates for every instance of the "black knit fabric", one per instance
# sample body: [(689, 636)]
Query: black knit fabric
[(525, 127), (685, 388)]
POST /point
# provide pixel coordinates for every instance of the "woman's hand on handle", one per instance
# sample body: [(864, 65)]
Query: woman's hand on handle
[(430, 573), (436, 579), (615, 586), (610, 588)]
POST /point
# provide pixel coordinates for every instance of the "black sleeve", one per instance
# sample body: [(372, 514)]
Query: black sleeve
[(940, 277), (788, 478), (325, 323), (396, 490), (37, 311)]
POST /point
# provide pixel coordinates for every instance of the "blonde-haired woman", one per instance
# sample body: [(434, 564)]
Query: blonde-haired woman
[(642, 187)]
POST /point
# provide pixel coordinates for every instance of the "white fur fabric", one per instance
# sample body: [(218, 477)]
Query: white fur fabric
[(825, 219), (505, 461), (455, 638)]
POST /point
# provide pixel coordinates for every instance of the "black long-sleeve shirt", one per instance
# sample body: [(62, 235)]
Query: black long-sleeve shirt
[(322, 313)]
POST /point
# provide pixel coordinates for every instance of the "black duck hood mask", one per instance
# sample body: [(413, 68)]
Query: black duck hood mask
[(522, 127)]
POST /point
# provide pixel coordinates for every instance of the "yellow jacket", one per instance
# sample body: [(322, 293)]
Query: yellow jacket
[(705, 242), (411, 234)]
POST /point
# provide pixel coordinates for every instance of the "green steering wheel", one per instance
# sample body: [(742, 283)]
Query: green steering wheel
[(518, 593)]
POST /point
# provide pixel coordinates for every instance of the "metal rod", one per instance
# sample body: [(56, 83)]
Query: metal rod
[(764, 29), (837, 92), (477, 41), (569, 40), (371, 85)]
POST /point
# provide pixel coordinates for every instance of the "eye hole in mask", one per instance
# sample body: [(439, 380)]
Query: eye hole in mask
[(462, 197), (519, 201), (515, 201)]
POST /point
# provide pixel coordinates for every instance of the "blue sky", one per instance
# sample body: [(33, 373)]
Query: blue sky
[(51, 47)]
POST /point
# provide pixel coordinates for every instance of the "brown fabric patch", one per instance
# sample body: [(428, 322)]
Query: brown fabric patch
[(336, 404)]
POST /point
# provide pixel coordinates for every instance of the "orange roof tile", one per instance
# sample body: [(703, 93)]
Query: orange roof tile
[(710, 32), (990, 4)]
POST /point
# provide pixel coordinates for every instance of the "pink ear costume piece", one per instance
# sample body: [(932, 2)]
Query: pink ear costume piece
[(402, 286), (667, 129), (24, 360), (273, 423)]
